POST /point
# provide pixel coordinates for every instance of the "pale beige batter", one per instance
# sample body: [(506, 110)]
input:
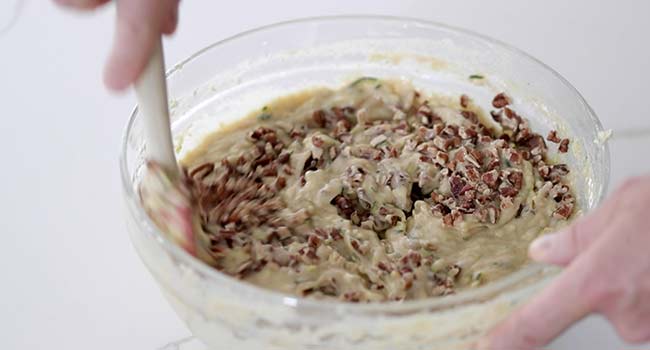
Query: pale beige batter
[(375, 193)]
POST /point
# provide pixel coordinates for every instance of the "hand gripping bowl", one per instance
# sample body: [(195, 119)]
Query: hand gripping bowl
[(228, 79)]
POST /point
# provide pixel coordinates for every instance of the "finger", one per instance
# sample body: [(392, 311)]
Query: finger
[(81, 4), (547, 315), (562, 247), (171, 22), (632, 327), (138, 28)]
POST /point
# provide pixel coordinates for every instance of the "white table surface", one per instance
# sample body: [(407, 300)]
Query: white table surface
[(69, 278)]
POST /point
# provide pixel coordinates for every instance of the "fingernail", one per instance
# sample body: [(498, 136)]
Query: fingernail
[(542, 245)]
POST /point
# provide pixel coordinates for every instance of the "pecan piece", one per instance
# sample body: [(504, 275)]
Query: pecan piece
[(507, 190), (440, 210), (500, 100), (443, 143), (513, 156), (470, 115), (564, 146), (563, 211), (552, 136), (464, 100), (467, 133), (280, 183), (313, 241), (353, 297), (470, 158), (335, 234), (452, 218), (284, 157), (317, 141), (458, 186), (202, 171), (472, 174), (355, 244), (491, 179), (382, 266), (517, 179), (344, 206), (319, 118)]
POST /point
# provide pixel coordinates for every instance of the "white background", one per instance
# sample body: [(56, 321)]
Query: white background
[(69, 278)]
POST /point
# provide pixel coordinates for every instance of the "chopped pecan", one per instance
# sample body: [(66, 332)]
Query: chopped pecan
[(466, 202), (536, 144), (467, 133), (438, 128), (560, 169), (564, 146), (563, 211), (355, 244), (317, 141), (319, 118), (507, 190), (470, 115), (472, 174), (383, 266), (280, 183), (513, 156), (470, 158), (458, 185), (452, 218), (516, 178), (335, 234), (553, 173), (523, 134), (202, 171), (284, 157), (297, 133), (500, 100), (313, 241), (552, 136), (353, 297), (344, 205), (558, 191), (440, 210), (464, 101), (511, 120), (443, 143), (491, 178), (320, 233), (427, 116), (442, 158), (497, 116)]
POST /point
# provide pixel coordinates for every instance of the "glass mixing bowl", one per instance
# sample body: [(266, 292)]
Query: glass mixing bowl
[(228, 79)]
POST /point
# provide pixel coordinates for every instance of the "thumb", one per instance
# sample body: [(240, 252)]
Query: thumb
[(562, 247)]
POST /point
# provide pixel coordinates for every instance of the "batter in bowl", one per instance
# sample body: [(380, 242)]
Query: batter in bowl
[(375, 192)]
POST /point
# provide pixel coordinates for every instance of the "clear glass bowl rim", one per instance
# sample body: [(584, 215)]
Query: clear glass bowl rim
[(277, 298)]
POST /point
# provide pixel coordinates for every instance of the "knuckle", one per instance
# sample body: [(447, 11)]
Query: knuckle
[(634, 334), (599, 292), (631, 325)]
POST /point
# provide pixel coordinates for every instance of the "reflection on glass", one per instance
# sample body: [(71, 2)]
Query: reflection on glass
[(9, 12)]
